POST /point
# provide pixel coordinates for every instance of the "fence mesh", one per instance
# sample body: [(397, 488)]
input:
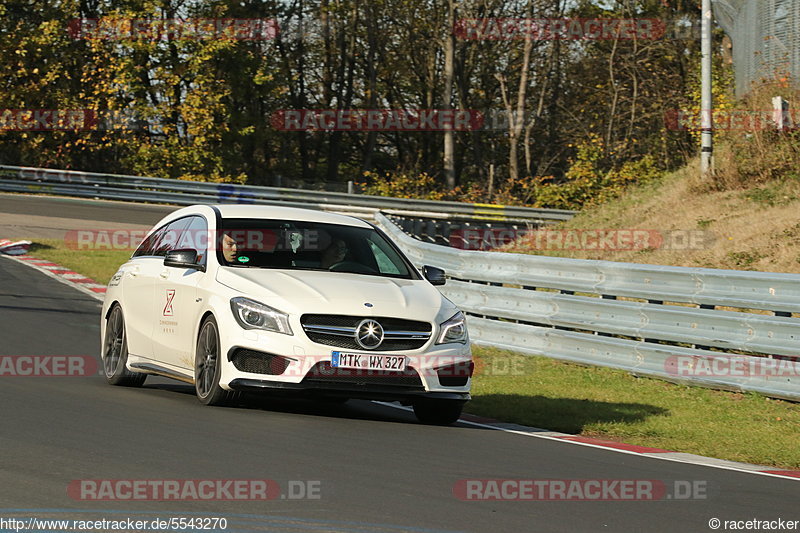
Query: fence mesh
[(766, 39)]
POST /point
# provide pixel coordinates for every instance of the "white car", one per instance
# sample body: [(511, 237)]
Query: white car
[(242, 298)]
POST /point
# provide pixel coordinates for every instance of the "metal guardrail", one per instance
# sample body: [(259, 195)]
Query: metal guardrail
[(700, 286), (669, 326), (135, 188)]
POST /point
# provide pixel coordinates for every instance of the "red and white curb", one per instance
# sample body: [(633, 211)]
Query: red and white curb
[(62, 274), (97, 291), (620, 447)]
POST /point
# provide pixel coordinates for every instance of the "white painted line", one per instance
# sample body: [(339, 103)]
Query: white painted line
[(72, 275), (699, 459)]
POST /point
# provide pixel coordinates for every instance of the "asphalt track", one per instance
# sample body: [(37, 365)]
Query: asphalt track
[(376, 468), (23, 216)]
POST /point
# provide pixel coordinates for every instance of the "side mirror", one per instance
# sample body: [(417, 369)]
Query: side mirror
[(183, 259), (434, 275)]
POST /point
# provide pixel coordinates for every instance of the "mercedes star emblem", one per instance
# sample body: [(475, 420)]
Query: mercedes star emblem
[(369, 334)]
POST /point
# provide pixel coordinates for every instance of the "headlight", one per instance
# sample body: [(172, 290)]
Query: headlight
[(253, 315), (454, 330)]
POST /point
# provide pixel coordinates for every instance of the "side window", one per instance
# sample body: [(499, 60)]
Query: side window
[(195, 237), (148, 245), (170, 236), (385, 264)]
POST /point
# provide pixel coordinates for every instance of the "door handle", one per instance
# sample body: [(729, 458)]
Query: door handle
[(164, 274), (134, 272)]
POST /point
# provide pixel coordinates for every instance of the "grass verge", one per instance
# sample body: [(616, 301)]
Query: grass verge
[(755, 228), (599, 402), (99, 265), (615, 405)]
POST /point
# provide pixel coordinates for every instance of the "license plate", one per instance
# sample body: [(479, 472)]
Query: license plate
[(361, 361)]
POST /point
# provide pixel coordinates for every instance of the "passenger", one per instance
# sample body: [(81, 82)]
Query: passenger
[(333, 254)]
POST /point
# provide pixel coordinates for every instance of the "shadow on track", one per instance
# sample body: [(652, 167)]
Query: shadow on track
[(299, 404), (568, 415)]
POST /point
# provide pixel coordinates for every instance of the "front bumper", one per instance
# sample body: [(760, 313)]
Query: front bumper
[(345, 390), (300, 356)]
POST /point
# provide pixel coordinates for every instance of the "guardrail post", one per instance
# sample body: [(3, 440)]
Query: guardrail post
[(653, 302), (431, 231), (606, 297), (709, 307), (780, 113)]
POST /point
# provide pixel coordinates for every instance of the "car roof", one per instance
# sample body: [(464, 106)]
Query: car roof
[(267, 212)]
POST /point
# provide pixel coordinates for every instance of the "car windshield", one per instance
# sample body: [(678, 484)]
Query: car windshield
[(301, 245)]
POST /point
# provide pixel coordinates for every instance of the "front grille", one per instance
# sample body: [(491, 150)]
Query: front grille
[(350, 344), (339, 331), (255, 362), (324, 375)]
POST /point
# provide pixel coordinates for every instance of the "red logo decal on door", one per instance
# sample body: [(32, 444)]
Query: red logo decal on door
[(168, 307)]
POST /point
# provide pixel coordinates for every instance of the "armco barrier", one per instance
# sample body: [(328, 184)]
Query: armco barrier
[(569, 309), (135, 188), (431, 221)]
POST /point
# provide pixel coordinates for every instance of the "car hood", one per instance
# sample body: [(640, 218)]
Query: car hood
[(341, 293)]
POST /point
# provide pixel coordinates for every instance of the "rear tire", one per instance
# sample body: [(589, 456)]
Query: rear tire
[(208, 367), (438, 412), (115, 352)]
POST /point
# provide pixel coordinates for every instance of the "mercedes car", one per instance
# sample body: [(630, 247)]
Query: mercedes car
[(242, 299)]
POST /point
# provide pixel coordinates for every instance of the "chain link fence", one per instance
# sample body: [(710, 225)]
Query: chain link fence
[(765, 36)]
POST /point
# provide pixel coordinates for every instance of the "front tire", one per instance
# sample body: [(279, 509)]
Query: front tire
[(115, 352), (208, 367), (438, 412)]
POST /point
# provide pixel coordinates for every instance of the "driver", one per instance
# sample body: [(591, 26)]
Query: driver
[(229, 248), (335, 253)]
